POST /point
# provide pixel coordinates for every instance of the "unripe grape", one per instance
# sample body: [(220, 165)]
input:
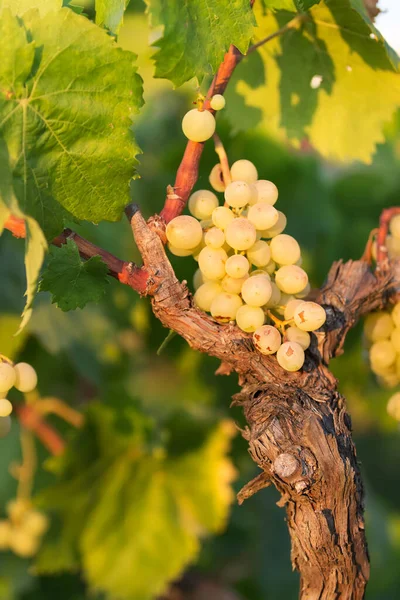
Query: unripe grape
[(233, 285), (184, 232), (395, 339), (394, 226), (290, 308), (244, 170), (294, 334), (275, 296), (262, 215), (250, 318), (222, 216), (304, 293), (259, 254), (202, 203), (257, 290), (198, 279), (395, 314), (225, 306), (291, 279), (198, 125), (264, 191), (217, 102), (35, 523), (23, 543), (378, 326), (309, 316), (214, 237), (5, 407), (284, 249), (5, 534), (382, 354), (237, 194), (393, 406), (205, 295), (277, 229), (179, 251), (267, 339), (216, 178), (240, 234), (290, 356), (237, 266), (7, 377), (5, 426), (212, 262)]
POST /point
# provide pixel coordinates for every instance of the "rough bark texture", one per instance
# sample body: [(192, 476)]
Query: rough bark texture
[(299, 432)]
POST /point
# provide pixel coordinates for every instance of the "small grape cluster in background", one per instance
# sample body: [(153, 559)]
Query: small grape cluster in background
[(392, 240), (249, 270), (23, 377), (24, 528)]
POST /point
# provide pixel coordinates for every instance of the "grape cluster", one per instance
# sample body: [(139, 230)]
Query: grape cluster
[(24, 528), (249, 270), (382, 335), (23, 377)]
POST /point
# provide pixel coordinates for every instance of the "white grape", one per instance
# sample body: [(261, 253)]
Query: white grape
[(216, 178), (279, 226), (257, 290), (304, 293), (382, 354), (23, 544), (214, 237), (5, 407), (284, 249), (179, 251), (202, 203), (309, 316), (244, 170), (290, 356), (393, 406), (7, 376), (5, 426), (198, 279), (388, 380), (217, 102), (378, 326), (233, 285), (270, 267), (35, 523), (259, 254), (250, 318), (205, 294), (393, 246), (222, 216), (275, 296), (198, 125), (262, 215), (237, 266), (212, 262), (184, 232), (5, 534), (225, 306), (264, 191), (26, 380), (260, 272), (240, 234), (267, 339), (290, 308), (291, 279), (237, 194), (294, 334), (394, 226)]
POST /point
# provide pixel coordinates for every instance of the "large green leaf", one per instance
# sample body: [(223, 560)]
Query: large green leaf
[(196, 35), (67, 97), (110, 13), (332, 80), (137, 515)]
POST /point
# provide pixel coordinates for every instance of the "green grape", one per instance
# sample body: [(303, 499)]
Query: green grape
[(250, 318), (263, 216), (198, 125), (184, 232), (5, 407), (222, 216), (275, 299), (290, 356), (259, 254), (237, 266), (26, 380), (394, 226), (267, 339), (233, 285), (378, 326), (212, 262), (257, 290), (290, 308), (244, 170), (294, 334), (264, 191), (205, 295), (217, 102), (237, 194), (214, 237), (225, 306), (393, 406), (309, 316), (5, 426), (284, 249), (240, 234), (382, 355), (7, 377), (291, 279), (216, 178), (202, 203)]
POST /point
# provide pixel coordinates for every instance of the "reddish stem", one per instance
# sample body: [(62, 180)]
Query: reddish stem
[(32, 420), (381, 248)]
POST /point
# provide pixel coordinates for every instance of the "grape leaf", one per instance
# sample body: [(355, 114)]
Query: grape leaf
[(73, 282), (110, 13), (65, 116), (35, 250), (196, 35), (321, 80), (133, 507), (19, 7)]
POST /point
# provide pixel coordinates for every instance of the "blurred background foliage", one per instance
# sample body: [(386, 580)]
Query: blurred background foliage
[(172, 402)]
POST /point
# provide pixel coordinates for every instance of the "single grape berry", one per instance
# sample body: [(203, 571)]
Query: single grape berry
[(264, 191), (393, 406), (262, 215), (378, 326), (214, 237), (241, 234), (257, 290), (233, 285), (212, 262), (285, 250), (259, 254), (279, 226), (184, 232), (205, 294), (202, 203), (216, 179), (237, 266), (222, 216), (198, 125), (244, 170), (250, 318), (217, 102), (291, 279), (26, 379), (309, 316), (267, 339), (225, 306), (238, 194), (294, 334), (5, 407), (7, 376), (290, 356)]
